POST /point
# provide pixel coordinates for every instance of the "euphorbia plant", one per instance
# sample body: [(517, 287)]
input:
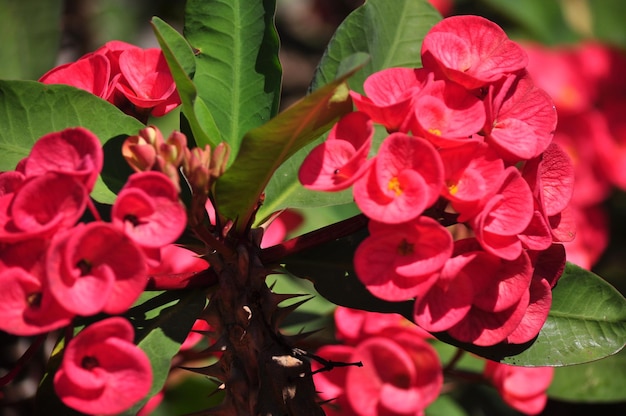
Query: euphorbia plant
[(121, 239)]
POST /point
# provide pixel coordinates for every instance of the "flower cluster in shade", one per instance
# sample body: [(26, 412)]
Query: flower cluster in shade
[(60, 260), (400, 375), (134, 79), (467, 194), (401, 372)]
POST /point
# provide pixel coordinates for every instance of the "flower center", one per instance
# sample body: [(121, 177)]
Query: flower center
[(394, 185), (89, 362)]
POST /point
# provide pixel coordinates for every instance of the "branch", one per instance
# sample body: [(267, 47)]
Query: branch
[(331, 232)]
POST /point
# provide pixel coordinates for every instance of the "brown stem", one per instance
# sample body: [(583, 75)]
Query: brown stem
[(331, 232)]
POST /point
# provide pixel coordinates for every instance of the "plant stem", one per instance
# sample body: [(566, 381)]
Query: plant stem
[(331, 232), (19, 365)]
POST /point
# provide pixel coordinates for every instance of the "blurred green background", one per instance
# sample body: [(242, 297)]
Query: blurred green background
[(37, 35)]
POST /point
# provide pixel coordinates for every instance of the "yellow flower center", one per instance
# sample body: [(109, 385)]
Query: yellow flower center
[(394, 185)]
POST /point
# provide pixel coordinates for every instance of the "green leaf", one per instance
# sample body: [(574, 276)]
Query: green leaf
[(595, 382), (30, 33), (162, 321), (265, 148), (29, 109), (182, 64), (238, 74), (391, 32)]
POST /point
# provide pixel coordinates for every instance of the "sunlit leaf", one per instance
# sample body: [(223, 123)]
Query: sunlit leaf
[(29, 109), (181, 61), (267, 147), (391, 32), (238, 75)]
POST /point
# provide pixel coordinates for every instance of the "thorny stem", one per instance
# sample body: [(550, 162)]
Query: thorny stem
[(331, 232), (19, 365)]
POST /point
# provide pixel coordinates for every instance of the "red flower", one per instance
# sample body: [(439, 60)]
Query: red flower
[(401, 375), (102, 371), (146, 81), (74, 151), (95, 268), (405, 178), (505, 215), (41, 206), (26, 305), (390, 92), (446, 114), (398, 262), (471, 51), (521, 118), (149, 211), (342, 159), (472, 171), (90, 73), (522, 388)]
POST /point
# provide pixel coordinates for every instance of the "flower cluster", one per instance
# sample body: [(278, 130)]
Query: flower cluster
[(401, 372), (136, 80), (586, 83), (56, 265), (469, 147)]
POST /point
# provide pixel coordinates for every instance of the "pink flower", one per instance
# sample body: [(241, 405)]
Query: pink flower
[(73, 151), (505, 215), (405, 178), (401, 375), (146, 81), (286, 222), (354, 325), (446, 114), (338, 162), (390, 93), (95, 268), (90, 73), (26, 305), (521, 118), (472, 171), (149, 211), (398, 262), (102, 371), (471, 51), (41, 206), (522, 388)]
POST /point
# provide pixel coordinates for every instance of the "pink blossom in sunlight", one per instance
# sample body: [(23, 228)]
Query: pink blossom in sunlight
[(505, 215), (389, 95), (405, 178), (446, 114), (103, 372), (521, 118), (341, 159), (471, 51)]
